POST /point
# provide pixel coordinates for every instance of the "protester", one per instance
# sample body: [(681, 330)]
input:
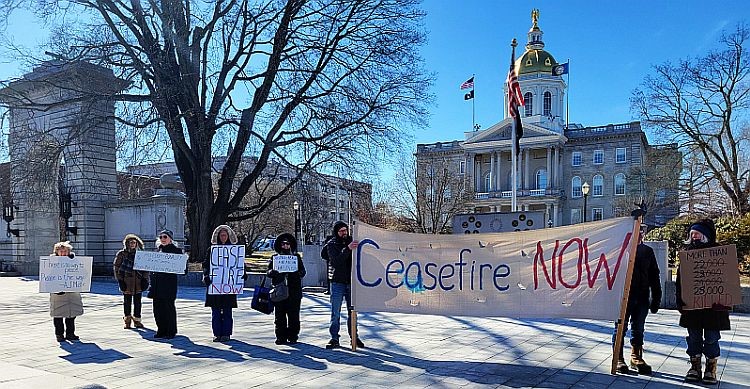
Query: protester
[(286, 312), (164, 291), (703, 325), (221, 304), (340, 256), (132, 282), (645, 293), (64, 307)]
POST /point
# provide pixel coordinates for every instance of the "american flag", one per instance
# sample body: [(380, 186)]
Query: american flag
[(468, 84), (515, 98)]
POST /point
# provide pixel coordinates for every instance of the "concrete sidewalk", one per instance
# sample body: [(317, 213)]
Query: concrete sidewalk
[(409, 351)]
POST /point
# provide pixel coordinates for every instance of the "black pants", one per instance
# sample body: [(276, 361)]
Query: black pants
[(60, 329), (135, 301), (165, 315), (286, 315)]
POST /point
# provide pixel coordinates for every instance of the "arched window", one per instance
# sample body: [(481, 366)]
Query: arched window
[(547, 104), (576, 187), (619, 184), (541, 179), (528, 100), (597, 189)]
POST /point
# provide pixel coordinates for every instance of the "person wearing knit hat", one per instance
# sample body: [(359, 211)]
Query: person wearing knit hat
[(703, 325), (339, 250)]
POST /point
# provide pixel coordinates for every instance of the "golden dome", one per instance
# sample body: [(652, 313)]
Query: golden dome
[(535, 61)]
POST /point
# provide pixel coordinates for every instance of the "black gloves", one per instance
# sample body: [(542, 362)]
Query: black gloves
[(719, 307), (207, 280), (273, 273), (654, 306), (244, 276), (123, 285)]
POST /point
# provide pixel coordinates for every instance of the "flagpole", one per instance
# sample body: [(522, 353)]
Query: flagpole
[(514, 166), (473, 120), (567, 99)]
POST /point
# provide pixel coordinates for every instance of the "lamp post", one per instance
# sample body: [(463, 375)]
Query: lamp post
[(8, 216), (66, 211), (296, 221), (585, 190)]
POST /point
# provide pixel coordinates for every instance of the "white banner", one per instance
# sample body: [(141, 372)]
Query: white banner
[(566, 272), (285, 263), (63, 274), (227, 269), (159, 262)]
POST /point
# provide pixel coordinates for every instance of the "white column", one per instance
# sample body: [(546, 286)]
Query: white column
[(554, 215), (492, 172), (557, 167), (526, 184), (549, 167), (477, 172)]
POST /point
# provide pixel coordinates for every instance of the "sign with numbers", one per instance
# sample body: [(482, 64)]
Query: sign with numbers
[(710, 276)]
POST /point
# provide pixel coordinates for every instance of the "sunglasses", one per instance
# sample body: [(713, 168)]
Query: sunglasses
[(286, 244)]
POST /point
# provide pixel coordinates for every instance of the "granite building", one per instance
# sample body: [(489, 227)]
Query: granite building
[(614, 162)]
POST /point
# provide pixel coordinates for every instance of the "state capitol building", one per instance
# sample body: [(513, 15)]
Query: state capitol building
[(613, 163)]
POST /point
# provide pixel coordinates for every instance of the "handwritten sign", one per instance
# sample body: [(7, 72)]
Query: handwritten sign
[(63, 274), (159, 262), (710, 276), (285, 263), (575, 271), (227, 269)]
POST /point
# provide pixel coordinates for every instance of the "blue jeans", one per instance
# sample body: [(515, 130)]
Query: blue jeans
[(221, 321), (637, 317), (340, 292), (703, 341)]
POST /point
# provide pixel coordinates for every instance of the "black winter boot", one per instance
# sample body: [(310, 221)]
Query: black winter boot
[(622, 367), (70, 328)]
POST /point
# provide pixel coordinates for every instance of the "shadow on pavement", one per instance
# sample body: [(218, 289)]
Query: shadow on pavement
[(81, 352)]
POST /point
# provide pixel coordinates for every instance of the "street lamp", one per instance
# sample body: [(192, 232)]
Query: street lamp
[(66, 211), (585, 190), (8, 216), (296, 221)]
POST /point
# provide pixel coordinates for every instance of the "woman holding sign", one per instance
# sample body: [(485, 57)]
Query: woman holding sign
[(164, 291), (132, 282), (703, 325), (65, 305), (287, 267), (221, 304)]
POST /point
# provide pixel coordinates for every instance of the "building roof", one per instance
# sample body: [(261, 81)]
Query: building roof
[(535, 61)]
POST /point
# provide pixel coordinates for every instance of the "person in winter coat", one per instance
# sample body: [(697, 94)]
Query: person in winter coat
[(645, 294), (64, 307), (164, 291), (286, 312), (703, 325), (221, 304), (132, 282), (340, 256)]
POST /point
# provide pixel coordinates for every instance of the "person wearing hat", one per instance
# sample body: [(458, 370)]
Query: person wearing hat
[(645, 294), (132, 282), (221, 304), (164, 291), (64, 307), (286, 312), (703, 325), (340, 249)]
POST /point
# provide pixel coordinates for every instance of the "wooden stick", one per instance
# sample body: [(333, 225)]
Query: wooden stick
[(354, 329), (636, 237)]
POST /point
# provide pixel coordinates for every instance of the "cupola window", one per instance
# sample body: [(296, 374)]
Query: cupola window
[(547, 62), (528, 100)]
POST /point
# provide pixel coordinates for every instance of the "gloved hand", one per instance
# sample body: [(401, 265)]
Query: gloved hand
[(680, 305), (719, 307), (654, 306), (244, 276), (207, 280), (273, 273), (71, 255), (123, 285)]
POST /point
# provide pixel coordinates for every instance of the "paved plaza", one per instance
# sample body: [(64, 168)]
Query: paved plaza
[(409, 351)]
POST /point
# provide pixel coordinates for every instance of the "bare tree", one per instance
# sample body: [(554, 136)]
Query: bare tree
[(429, 192), (310, 83), (700, 104)]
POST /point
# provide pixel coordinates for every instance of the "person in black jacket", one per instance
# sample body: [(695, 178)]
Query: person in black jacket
[(703, 325), (645, 293), (286, 312), (340, 257), (163, 291), (221, 304)]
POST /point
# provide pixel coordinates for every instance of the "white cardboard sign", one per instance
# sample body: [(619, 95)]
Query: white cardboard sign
[(63, 274)]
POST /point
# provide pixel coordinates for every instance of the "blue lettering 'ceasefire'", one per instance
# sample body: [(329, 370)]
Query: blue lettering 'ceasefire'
[(362, 244)]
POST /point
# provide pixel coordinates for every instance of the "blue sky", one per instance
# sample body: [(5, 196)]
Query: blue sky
[(611, 46)]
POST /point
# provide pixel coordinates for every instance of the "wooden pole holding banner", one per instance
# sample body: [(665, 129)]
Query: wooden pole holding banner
[(354, 329), (636, 237), (353, 312)]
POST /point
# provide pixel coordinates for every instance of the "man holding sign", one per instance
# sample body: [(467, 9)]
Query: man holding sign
[(703, 324), (286, 267), (224, 277)]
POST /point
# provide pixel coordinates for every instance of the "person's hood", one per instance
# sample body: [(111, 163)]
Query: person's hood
[(132, 236), (337, 226), (230, 231), (285, 237)]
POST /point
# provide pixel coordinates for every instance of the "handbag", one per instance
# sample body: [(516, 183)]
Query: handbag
[(280, 291), (262, 298)]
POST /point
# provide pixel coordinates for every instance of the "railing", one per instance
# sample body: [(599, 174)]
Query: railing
[(537, 192), (506, 194)]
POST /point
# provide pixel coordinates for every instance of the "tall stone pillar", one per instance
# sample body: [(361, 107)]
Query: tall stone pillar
[(62, 140)]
